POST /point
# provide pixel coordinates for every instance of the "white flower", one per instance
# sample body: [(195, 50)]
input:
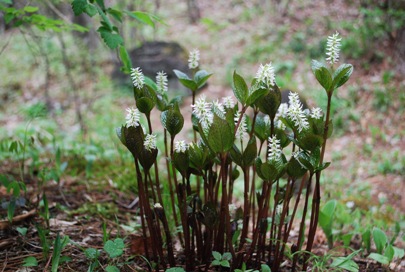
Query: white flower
[(228, 102), (133, 117), (295, 112), (150, 142), (267, 120), (138, 78), (193, 59), (161, 82), (282, 110), (279, 209), (218, 109), (157, 206), (180, 146), (274, 149), (333, 48), (202, 111), (265, 75), (316, 113), (350, 204), (280, 125), (241, 132)]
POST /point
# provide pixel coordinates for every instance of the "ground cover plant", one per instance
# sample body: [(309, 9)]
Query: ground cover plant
[(71, 192)]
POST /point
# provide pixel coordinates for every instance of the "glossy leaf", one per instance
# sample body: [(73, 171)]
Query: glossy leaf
[(201, 78), (172, 120), (342, 75), (186, 81), (240, 88), (322, 74), (220, 136)]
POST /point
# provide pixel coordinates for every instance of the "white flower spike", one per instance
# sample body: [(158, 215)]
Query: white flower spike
[(228, 102), (274, 149), (333, 48), (202, 111), (265, 75), (241, 132), (137, 77), (180, 146), (193, 59), (161, 82), (133, 117), (316, 113), (295, 112), (150, 142)]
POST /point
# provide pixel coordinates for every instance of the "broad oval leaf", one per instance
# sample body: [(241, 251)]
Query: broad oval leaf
[(172, 120), (220, 136), (240, 88), (342, 75), (322, 74)]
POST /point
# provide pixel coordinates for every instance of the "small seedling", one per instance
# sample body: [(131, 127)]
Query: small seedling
[(221, 259)]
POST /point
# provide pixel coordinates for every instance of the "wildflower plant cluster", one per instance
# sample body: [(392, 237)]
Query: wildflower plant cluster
[(236, 140)]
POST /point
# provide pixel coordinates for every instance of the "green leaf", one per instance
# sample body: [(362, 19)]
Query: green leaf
[(126, 60), (112, 268), (262, 128), (115, 13), (265, 268), (112, 40), (142, 17), (227, 256), (309, 141), (322, 74), (30, 261), (175, 269), (6, 2), (326, 217), (58, 246), (380, 239), (342, 75), (399, 252), (91, 253), (201, 78), (345, 263), (250, 153), (79, 6), (11, 209), (172, 120), (22, 231), (186, 81), (30, 9), (389, 252), (220, 136), (366, 237), (270, 103), (240, 88), (181, 162), (225, 263), (145, 104), (379, 258), (295, 169), (90, 10), (114, 248), (217, 255), (256, 95)]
